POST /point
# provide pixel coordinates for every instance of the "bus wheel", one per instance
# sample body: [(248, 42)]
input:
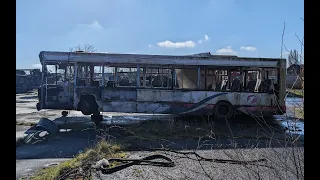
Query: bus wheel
[(96, 118), (85, 107), (223, 110), (88, 105), (64, 113)]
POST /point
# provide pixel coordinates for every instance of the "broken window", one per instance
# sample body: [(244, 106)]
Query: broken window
[(186, 78), (269, 80), (109, 76), (252, 80), (236, 80), (85, 72), (97, 76), (156, 77), (54, 74), (222, 80), (126, 77)]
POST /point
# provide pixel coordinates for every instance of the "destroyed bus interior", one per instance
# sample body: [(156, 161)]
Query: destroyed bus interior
[(88, 86)]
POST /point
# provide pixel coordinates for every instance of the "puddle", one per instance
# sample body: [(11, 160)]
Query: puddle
[(294, 102), (292, 125)]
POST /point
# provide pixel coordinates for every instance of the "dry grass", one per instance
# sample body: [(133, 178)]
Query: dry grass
[(22, 123), (299, 113), (297, 92)]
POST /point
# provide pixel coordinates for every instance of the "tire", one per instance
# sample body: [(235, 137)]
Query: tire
[(96, 118), (64, 113), (88, 106), (85, 107), (223, 110)]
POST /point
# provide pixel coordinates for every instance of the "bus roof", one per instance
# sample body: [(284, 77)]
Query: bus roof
[(54, 57)]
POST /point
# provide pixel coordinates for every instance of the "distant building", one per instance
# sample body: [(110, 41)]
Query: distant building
[(295, 76)]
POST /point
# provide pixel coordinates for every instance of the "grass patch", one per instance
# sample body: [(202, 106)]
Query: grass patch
[(193, 128), (170, 129), (297, 92), (22, 123), (296, 112), (299, 114), (80, 166)]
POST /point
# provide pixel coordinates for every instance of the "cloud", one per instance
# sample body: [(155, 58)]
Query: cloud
[(86, 34), (95, 25), (206, 37), (248, 48), (226, 51), (169, 44), (150, 45)]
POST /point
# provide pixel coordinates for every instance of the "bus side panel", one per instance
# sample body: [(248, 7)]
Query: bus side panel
[(183, 96), (116, 94), (119, 100), (258, 104), (181, 101), (120, 106), (150, 107), (255, 99)]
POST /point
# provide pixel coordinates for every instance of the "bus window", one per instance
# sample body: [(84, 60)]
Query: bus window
[(109, 76), (269, 80), (55, 75), (83, 75), (156, 77), (235, 80), (126, 77), (221, 80), (97, 76), (211, 79), (253, 80), (186, 78)]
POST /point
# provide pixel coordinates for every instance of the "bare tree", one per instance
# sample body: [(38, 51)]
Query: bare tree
[(84, 48), (293, 57)]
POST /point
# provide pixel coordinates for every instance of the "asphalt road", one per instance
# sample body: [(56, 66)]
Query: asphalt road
[(29, 166), (279, 159)]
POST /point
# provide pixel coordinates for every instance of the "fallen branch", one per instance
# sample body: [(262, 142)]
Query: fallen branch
[(201, 158), (101, 165)]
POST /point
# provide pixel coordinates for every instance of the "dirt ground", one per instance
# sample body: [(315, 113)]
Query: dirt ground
[(244, 136)]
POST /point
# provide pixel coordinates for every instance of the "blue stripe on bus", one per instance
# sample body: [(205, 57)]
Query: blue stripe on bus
[(200, 103)]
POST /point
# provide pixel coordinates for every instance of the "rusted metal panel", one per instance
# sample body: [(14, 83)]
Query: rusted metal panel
[(120, 106), (89, 91), (255, 99), (119, 94), (176, 96), (172, 96), (149, 107), (162, 101)]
